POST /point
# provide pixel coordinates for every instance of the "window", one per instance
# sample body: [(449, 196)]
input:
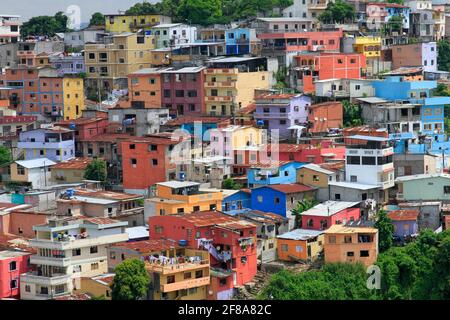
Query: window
[(353, 178), (94, 266), (347, 239), (132, 146), (350, 254), (154, 162), (13, 284), (166, 93), (196, 208), (27, 288), (446, 189), (368, 160), (20, 170), (12, 265), (364, 253), (187, 275), (316, 178), (94, 249), (353, 160), (332, 239), (337, 196), (198, 274), (298, 249), (76, 252), (310, 223), (112, 255), (179, 93), (153, 147), (284, 247), (260, 198), (277, 200), (133, 162)]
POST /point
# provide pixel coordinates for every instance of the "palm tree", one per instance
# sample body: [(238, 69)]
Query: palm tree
[(302, 206)]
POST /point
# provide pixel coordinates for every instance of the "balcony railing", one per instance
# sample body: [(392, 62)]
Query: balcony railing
[(186, 284)]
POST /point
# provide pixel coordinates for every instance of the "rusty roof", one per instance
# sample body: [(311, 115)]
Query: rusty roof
[(216, 218), (147, 246), (403, 215), (290, 188), (79, 121), (108, 137), (101, 220), (75, 163), (105, 194)]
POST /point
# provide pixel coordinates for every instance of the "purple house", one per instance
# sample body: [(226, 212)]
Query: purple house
[(404, 221), (68, 64), (281, 111)]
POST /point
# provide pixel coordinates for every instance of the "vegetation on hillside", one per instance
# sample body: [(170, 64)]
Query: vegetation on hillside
[(443, 59), (338, 12), (352, 114), (45, 25), (96, 170), (97, 19), (131, 281)]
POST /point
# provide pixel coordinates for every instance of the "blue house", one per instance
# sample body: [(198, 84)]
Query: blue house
[(417, 93), (273, 174), (237, 201), (238, 40), (198, 126), (405, 222), (280, 198)]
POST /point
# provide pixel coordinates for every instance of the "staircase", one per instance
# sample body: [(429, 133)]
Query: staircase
[(251, 290)]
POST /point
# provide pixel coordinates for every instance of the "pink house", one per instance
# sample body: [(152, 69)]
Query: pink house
[(12, 265), (326, 214)]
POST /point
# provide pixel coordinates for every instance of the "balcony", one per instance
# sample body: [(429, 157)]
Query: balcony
[(220, 84), (78, 243), (185, 284), (56, 279), (50, 261), (175, 268), (271, 115), (221, 71), (219, 98)]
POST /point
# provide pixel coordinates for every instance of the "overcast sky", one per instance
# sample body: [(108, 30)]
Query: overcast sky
[(30, 8)]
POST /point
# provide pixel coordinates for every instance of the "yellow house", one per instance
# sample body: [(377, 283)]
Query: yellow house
[(369, 46), (70, 171), (228, 139), (118, 23), (73, 88), (99, 286), (228, 89), (180, 278), (108, 64), (316, 176), (174, 197)]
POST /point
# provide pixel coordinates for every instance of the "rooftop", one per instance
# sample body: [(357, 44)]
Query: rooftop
[(353, 185), (329, 208), (403, 215), (36, 163), (315, 167), (7, 254), (290, 188), (147, 246), (338, 228), (76, 163), (105, 194), (300, 234), (423, 176), (216, 218), (178, 184)]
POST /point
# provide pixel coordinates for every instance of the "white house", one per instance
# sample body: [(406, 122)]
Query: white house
[(36, 172)]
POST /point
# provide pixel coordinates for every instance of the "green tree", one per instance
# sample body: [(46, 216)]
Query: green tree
[(338, 12), (336, 281), (385, 230), (203, 12), (395, 1), (229, 183), (443, 58), (45, 25), (97, 19), (352, 114), (395, 24), (302, 206), (5, 156), (131, 281), (96, 170)]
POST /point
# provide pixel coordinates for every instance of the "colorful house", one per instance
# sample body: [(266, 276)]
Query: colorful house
[(351, 244), (70, 171), (318, 176), (34, 173), (405, 222), (178, 197), (241, 199), (324, 215), (325, 116), (280, 198), (273, 173), (300, 245), (54, 143), (281, 112), (230, 241), (240, 41), (312, 66), (424, 187), (120, 23), (145, 161), (227, 139), (12, 265)]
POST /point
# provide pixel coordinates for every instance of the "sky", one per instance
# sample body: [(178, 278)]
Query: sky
[(31, 8)]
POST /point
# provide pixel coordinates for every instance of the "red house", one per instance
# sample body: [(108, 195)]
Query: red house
[(85, 128), (326, 214), (230, 241), (146, 161), (324, 116), (313, 66), (12, 264)]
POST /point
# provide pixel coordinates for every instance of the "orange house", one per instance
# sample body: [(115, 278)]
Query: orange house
[(313, 66), (300, 245), (351, 244), (144, 88), (324, 116)]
